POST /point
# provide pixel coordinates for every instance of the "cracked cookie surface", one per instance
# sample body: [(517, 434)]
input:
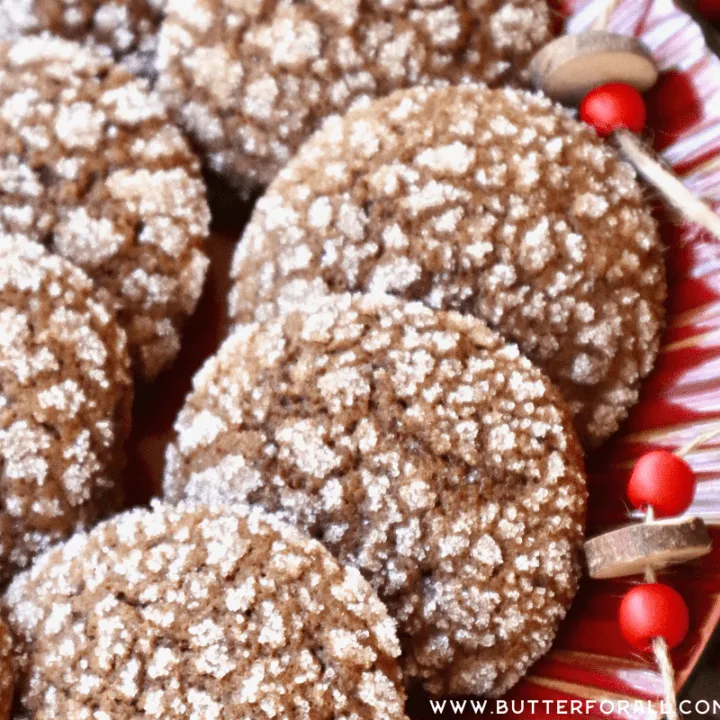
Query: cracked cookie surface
[(494, 203), (419, 448), (65, 397), (125, 30), (91, 167), (200, 613), (251, 81), (7, 672)]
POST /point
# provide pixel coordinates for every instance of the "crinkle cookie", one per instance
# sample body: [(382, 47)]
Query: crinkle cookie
[(420, 449), (7, 673), (250, 81), (65, 397), (199, 613), (123, 29), (91, 168), (491, 202)]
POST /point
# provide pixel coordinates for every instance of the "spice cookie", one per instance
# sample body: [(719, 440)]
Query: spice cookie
[(250, 81), (90, 167), (7, 673), (200, 613), (65, 397), (420, 449), (123, 29), (495, 203)]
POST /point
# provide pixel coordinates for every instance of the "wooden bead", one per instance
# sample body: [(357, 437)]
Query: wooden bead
[(570, 66), (632, 549)]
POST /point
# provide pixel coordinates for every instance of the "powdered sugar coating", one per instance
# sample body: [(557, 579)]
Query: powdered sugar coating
[(417, 447), (123, 29), (197, 613), (250, 81), (91, 167), (490, 202), (65, 397)]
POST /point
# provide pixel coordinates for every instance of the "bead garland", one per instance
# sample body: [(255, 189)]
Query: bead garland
[(663, 485), (570, 69), (617, 110), (655, 600), (652, 616)]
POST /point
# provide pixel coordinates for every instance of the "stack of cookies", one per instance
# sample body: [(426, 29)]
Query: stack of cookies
[(448, 288)]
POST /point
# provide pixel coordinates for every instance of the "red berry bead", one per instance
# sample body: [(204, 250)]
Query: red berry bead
[(653, 611), (614, 106), (664, 481)]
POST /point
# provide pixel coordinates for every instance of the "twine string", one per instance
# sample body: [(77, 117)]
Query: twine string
[(662, 657), (672, 189), (660, 647), (700, 213), (699, 440), (659, 644), (602, 20)]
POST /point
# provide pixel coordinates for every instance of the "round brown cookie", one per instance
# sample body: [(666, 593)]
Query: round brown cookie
[(7, 672), (250, 81), (420, 449), (200, 613), (65, 397), (90, 167), (491, 202), (123, 29)]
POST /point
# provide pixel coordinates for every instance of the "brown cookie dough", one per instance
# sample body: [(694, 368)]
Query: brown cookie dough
[(200, 614), (491, 202), (250, 81), (420, 449), (65, 397), (91, 168), (7, 672), (123, 29)]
